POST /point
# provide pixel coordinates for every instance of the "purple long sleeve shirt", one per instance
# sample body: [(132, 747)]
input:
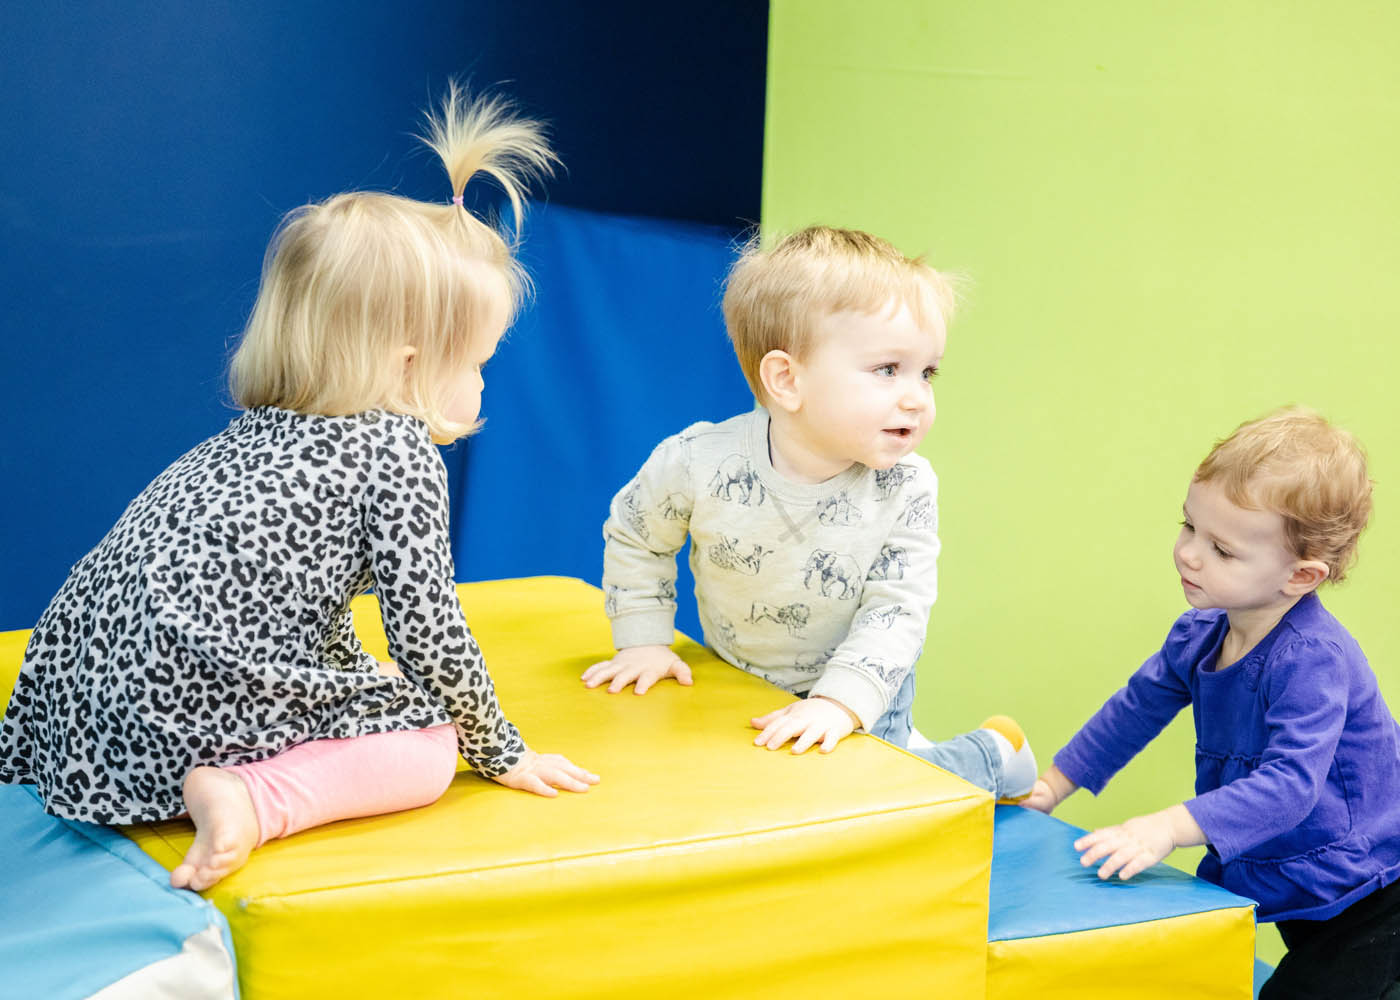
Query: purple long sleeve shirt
[(1297, 758)]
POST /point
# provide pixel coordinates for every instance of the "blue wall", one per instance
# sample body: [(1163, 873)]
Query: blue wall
[(152, 147)]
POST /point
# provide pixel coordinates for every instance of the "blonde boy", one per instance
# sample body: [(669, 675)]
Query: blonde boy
[(813, 523)]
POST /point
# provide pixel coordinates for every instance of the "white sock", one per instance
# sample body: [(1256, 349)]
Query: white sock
[(1018, 767)]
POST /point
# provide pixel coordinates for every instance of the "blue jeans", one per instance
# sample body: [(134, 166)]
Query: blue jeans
[(972, 756)]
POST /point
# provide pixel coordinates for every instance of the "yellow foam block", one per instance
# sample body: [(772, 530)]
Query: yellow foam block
[(701, 866), (1203, 956)]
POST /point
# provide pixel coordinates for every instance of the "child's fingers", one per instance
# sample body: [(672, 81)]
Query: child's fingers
[(806, 738), (623, 677), (599, 672), (776, 734), (1118, 860), (681, 671), (567, 767), (832, 738)]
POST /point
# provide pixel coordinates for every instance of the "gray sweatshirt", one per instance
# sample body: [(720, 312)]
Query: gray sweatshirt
[(821, 589)]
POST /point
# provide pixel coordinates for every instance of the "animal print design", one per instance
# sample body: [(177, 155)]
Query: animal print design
[(836, 574), (839, 510), (675, 508), (726, 631), (793, 616), (632, 513), (920, 514), (610, 600), (725, 554), (888, 481), (890, 564), (809, 662), (665, 590), (889, 674), (883, 618), (735, 480), (211, 625)]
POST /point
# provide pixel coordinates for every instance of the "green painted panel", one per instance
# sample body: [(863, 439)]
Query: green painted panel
[(1171, 218)]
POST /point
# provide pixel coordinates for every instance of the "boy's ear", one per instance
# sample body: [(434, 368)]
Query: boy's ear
[(777, 373), (1307, 576)]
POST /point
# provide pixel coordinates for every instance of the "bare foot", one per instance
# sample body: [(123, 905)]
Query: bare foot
[(225, 828)]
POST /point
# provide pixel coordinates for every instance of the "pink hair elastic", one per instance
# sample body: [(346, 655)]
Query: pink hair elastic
[(457, 200)]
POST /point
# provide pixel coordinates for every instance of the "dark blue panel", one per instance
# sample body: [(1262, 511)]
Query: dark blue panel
[(1039, 888), (150, 150), (623, 346), (657, 107), (152, 145)]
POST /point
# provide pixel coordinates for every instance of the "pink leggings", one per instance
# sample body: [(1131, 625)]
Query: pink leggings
[(327, 780)]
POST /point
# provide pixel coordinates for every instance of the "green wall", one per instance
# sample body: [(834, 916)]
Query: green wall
[(1172, 218)]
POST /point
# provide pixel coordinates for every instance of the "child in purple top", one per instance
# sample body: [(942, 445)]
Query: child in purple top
[(1297, 755)]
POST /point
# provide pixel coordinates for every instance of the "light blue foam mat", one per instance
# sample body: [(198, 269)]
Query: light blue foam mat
[(84, 908), (1038, 887)]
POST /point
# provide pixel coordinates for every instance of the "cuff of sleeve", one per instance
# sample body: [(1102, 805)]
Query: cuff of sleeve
[(1216, 828), (644, 628), (1074, 769), (853, 689), (496, 761)]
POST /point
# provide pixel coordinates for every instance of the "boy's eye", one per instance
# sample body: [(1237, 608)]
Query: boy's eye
[(887, 370), (1221, 552), (1189, 526), (930, 373)]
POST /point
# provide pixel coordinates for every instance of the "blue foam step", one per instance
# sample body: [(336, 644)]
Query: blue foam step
[(1039, 888)]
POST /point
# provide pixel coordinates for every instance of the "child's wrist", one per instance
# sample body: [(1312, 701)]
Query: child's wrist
[(855, 719), (1060, 786)]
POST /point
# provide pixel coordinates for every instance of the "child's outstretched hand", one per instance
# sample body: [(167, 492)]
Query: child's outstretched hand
[(810, 721), (545, 773), (1050, 789), (641, 666), (1140, 843)]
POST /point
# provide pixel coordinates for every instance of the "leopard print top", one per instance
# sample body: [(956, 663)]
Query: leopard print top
[(211, 625)]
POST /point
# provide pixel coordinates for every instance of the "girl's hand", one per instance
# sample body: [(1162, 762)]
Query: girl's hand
[(1042, 798), (544, 773), (1051, 788), (813, 720), (642, 666), (1139, 843)]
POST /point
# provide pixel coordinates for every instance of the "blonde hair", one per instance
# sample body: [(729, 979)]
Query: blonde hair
[(773, 298), (348, 282), (1313, 474)]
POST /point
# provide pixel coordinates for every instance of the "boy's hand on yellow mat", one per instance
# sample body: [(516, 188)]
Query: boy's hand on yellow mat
[(545, 773), (641, 666), (1140, 843), (814, 720)]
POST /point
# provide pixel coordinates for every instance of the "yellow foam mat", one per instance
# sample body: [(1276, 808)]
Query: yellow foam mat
[(701, 866), (1200, 956)]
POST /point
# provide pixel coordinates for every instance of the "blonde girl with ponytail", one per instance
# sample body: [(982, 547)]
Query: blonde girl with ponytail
[(201, 659)]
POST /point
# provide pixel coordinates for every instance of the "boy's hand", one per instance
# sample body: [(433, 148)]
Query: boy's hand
[(1051, 788), (642, 666), (812, 720), (1139, 843), (543, 773)]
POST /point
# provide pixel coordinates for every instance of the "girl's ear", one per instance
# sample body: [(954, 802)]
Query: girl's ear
[(777, 373), (1307, 576)]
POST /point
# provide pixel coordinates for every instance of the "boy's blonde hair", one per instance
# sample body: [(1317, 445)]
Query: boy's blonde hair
[(773, 298), (348, 282), (1295, 463)]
